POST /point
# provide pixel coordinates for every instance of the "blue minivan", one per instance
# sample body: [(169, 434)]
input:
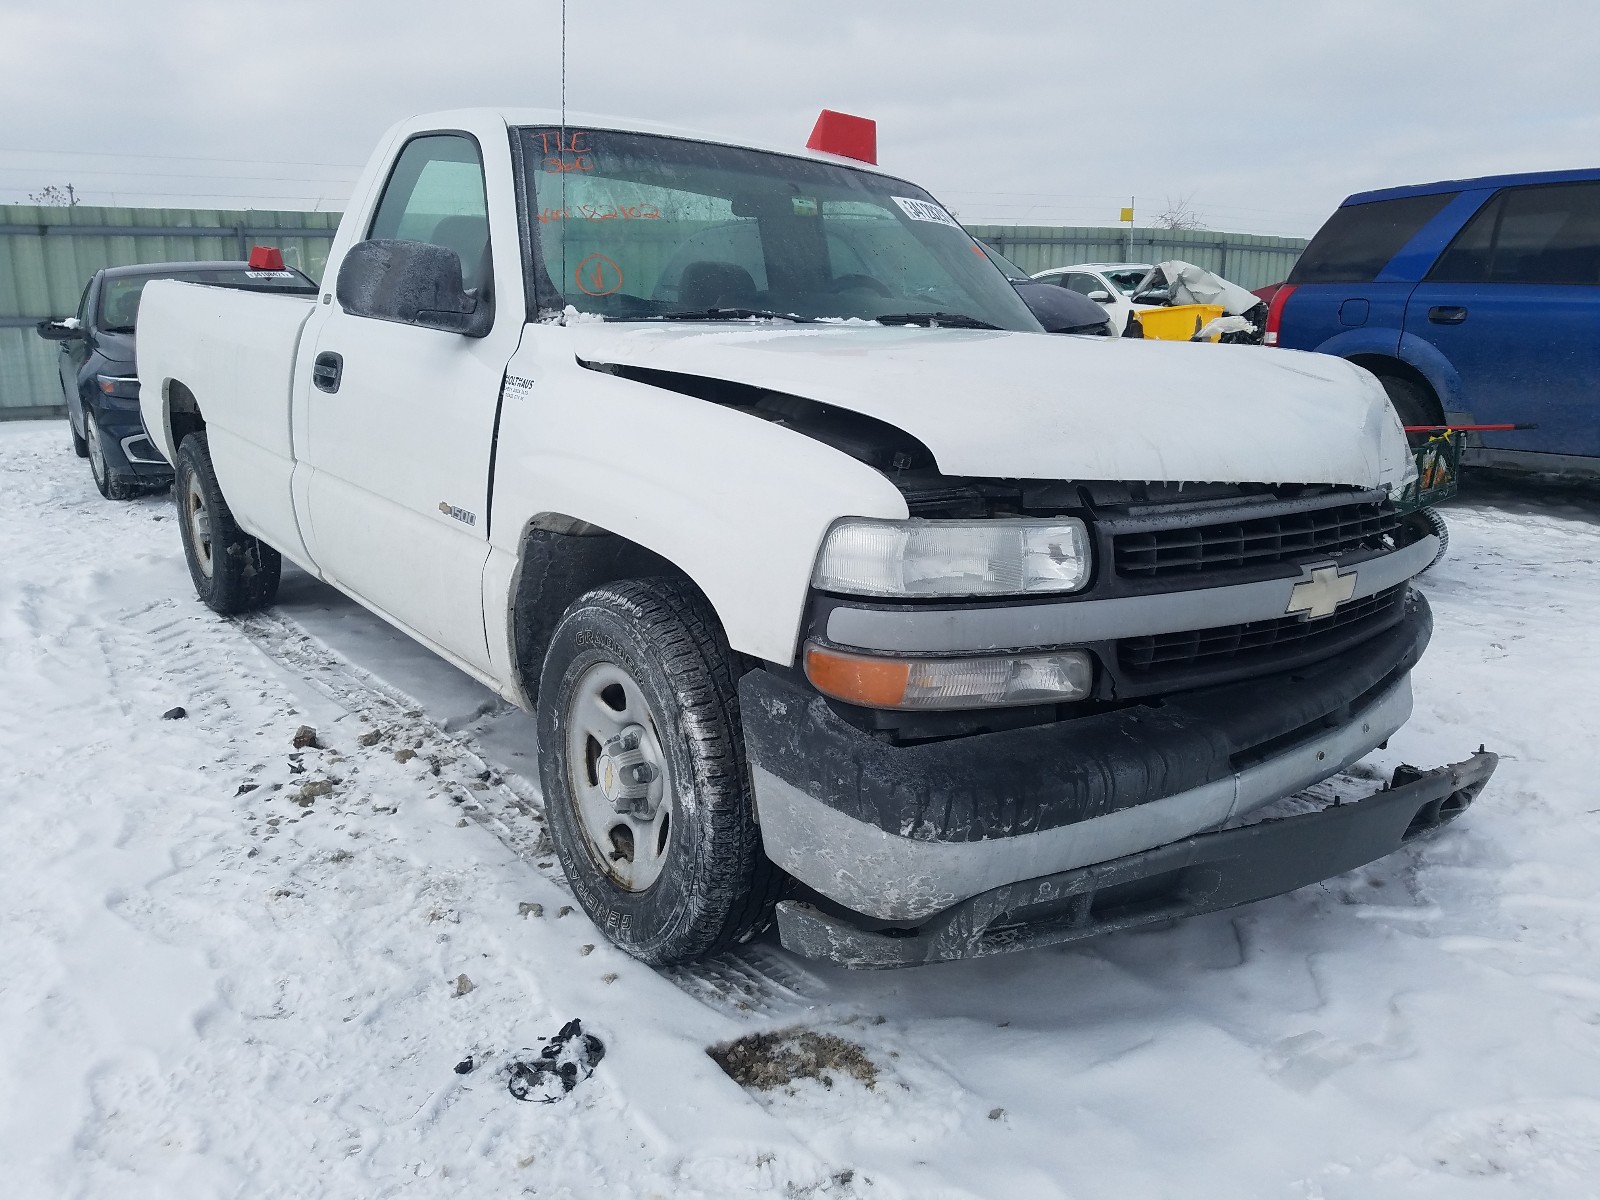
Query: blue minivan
[(1473, 301)]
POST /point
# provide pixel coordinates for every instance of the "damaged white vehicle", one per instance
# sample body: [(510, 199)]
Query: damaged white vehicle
[(838, 590)]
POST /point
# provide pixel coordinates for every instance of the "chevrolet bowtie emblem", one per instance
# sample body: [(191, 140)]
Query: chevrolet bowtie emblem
[(1322, 593)]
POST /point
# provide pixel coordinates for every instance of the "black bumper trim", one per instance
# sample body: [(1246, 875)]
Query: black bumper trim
[(1017, 781), (1201, 874)]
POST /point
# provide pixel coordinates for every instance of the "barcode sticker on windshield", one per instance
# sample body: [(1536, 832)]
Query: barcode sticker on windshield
[(925, 210)]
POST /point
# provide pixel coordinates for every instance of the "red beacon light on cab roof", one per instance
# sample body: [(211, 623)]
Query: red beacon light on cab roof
[(266, 258), (849, 137)]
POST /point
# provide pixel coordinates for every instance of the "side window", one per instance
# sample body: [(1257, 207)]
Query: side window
[(1548, 235), (435, 194), (1358, 241), (83, 305), (1084, 284)]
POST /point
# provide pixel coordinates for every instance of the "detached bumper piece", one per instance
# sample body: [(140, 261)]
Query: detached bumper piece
[(1201, 874)]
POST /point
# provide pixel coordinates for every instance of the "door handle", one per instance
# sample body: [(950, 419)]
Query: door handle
[(327, 370), (1447, 314)]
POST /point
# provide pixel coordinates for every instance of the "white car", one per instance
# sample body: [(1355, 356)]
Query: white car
[(842, 593), (1108, 284)]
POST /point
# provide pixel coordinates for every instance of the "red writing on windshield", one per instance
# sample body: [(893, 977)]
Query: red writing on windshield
[(564, 151), (601, 212), (597, 275)]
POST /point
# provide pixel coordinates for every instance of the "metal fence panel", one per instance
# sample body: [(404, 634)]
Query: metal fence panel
[(48, 254)]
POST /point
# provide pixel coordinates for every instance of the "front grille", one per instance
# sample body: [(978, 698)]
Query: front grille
[(1279, 638), (1255, 541)]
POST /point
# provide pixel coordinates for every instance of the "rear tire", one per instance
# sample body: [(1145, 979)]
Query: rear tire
[(647, 793), (232, 571), (112, 487), (1414, 404)]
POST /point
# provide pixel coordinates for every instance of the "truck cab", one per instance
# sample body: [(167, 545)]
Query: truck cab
[(839, 590)]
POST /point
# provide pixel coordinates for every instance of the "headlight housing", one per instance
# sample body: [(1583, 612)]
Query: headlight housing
[(950, 683), (863, 556), (120, 387)]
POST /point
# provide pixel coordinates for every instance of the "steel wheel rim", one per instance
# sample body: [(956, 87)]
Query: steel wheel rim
[(625, 823), (97, 455), (199, 519)]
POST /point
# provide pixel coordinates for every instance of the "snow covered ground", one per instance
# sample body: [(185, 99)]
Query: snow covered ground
[(216, 980)]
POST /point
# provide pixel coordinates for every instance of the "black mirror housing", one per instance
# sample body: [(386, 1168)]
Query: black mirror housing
[(56, 330), (412, 283)]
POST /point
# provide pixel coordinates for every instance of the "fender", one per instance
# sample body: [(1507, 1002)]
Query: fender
[(1436, 369), (1367, 339), (740, 505)]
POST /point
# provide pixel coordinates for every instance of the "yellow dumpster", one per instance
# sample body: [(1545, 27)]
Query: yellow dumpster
[(1180, 322)]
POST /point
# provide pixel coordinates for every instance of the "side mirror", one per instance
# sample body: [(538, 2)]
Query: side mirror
[(1100, 296), (413, 283), (59, 329)]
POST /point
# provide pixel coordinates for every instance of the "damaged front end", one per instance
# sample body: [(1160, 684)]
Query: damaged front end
[(1201, 874)]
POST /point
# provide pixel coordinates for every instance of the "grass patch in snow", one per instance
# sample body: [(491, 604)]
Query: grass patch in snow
[(765, 1061)]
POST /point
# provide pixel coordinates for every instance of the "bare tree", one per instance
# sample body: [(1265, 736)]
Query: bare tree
[(1179, 214), (56, 196)]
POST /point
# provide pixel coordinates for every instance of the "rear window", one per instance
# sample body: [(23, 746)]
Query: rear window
[(1359, 240), (1547, 235)]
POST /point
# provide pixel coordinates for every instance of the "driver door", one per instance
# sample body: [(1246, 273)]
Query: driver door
[(400, 420)]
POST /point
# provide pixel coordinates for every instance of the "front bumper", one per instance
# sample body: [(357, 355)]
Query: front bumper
[(128, 450), (1196, 875), (901, 832)]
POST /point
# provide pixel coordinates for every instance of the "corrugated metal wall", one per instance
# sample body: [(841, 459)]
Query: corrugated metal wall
[(48, 254), (1250, 260)]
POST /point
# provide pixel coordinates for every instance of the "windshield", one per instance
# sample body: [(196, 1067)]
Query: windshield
[(120, 295), (636, 227), (1127, 279)]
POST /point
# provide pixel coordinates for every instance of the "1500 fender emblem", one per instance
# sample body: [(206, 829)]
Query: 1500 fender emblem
[(460, 514), (1319, 595)]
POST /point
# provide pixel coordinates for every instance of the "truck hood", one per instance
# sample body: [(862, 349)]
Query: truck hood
[(1038, 406)]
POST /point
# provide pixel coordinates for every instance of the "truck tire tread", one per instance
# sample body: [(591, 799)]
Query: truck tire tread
[(245, 570)]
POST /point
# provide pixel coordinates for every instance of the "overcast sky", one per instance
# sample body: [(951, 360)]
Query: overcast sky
[(1263, 114)]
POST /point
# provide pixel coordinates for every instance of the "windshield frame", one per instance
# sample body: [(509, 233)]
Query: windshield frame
[(545, 300)]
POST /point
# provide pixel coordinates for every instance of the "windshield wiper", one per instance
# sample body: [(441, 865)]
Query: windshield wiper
[(947, 319), (732, 314)]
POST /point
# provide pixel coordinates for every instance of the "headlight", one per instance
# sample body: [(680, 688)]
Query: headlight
[(943, 683), (123, 387), (1026, 557)]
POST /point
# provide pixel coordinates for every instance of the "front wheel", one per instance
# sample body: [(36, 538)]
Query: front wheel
[(112, 487), (647, 795), (80, 444), (232, 571)]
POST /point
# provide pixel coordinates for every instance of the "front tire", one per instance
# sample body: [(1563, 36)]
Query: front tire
[(1413, 403), (80, 444), (647, 794), (112, 487), (232, 571)]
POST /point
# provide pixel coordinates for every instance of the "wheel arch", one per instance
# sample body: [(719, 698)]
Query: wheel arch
[(560, 557), (1387, 366), (180, 416)]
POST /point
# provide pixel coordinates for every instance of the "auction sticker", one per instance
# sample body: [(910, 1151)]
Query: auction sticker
[(925, 210)]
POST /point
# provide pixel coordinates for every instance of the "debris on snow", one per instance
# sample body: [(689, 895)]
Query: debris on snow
[(528, 909), (464, 1067), (404, 756), (563, 910), (464, 985), (561, 1064), (175, 714), (305, 738), (371, 738), (765, 1061), (586, 950)]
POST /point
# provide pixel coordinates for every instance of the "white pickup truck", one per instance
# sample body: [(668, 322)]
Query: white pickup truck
[(839, 590)]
